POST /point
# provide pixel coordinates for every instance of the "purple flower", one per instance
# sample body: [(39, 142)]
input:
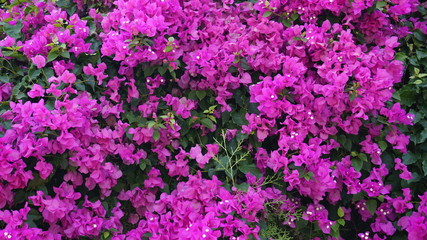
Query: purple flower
[(196, 153), (44, 168), (5, 91), (39, 60), (400, 166), (36, 91)]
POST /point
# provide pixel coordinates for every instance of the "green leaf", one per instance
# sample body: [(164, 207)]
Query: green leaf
[(267, 14), (201, 94), (156, 135), (31, 9), (416, 71), (243, 187), (340, 212), (7, 53), (21, 95), (192, 95), (421, 54), (363, 157), (33, 73), (211, 118), (223, 162), (91, 84), (13, 30), (6, 124), (286, 23), (212, 108), (143, 165), (148, 71), (244, 64), (410, 158), (60, 160), (335, 231), (358, 196), (241, 136), (168, 49), (422, 10), (252, 168), (63, 3), (239, 118), (357, 164), (80, 86), (172, 73), (50, 104), (33, 215), (230, 174), (52, 55), (371, 204), (335, 227), (381, 4), (345, 142), (148, 235), (407, 96), (17, 89), (419, 36), (294, 17), (65, 54), (4, 79), (308, 176), (130, 117), (383, 145), (415, 178), (162, 70), (106, 235), (341, 222), (401, 56), (48, 72), (20, 196), (150, 124), (207, 123), (425, 167)]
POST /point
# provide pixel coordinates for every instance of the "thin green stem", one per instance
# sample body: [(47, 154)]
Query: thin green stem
[(10, 70)]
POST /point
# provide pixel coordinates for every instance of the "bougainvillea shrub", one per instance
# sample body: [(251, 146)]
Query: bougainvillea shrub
[(203, 119)]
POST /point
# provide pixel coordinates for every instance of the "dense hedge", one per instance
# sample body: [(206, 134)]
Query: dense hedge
[(202, 119)]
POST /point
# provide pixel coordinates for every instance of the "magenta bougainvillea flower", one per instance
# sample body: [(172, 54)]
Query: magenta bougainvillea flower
[(203, 119)]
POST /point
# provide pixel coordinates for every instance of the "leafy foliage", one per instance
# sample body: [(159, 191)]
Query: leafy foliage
[(213, 119)]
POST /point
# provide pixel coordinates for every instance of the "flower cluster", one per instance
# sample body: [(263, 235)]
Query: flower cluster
[(111, 113)]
